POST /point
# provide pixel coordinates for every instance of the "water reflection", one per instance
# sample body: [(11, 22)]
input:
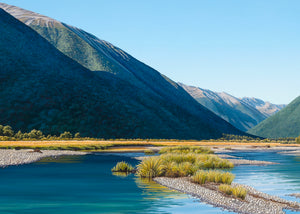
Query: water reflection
[(121, 174), (153, 190)]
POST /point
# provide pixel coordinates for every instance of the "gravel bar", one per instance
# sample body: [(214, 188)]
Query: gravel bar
[(237, 162), (10, 157), (256, 202), (297, 195)]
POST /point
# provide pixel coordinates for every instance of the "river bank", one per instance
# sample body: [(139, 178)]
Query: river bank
[(255, 202), (10, 157)]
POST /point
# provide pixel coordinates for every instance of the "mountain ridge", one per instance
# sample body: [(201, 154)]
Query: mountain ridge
[(240, 112), (285, 123), (54, 93)]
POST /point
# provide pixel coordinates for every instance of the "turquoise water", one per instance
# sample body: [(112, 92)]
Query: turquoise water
[(84, 184), (280, 180)]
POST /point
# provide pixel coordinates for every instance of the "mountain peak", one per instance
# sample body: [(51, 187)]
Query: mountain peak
[(60, 78), (264, 107), (29, 17), (242, 113)]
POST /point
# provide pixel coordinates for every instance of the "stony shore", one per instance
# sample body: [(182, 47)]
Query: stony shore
[(256, 202), (17, 157), (297, 195)]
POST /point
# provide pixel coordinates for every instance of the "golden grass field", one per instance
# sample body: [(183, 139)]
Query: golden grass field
[(128, 145)]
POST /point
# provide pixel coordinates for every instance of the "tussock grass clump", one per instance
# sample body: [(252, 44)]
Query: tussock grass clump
[(227, 189), (178, 158), (201, 161), (215, 176), (212, 162), (186, 149), (150, 167), (238, 191), (181, 165), (173, 169), (200, 177), (149, 152), (181, 161), (122, 167)]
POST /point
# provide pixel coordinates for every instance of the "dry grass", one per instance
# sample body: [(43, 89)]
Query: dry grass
[(81, 145), (215, 176), (122, 167), (238, 191)]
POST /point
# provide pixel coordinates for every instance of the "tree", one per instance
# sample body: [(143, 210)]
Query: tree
[(19, 135), (65, 135), (298, 139), (36, 134), (7, 131), (77, 135), (1, 130)]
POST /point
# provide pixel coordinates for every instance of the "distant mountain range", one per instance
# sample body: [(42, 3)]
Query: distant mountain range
[(266, 108), (286, 123), (243, 113), (55, 77)]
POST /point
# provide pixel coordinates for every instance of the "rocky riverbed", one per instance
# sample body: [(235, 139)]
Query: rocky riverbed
[(256, 202), (17, 157), (297, 195)]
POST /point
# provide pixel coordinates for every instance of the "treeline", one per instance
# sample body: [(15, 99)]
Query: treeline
[(7, 133), (298, 140), (241, 138), (230, 137)]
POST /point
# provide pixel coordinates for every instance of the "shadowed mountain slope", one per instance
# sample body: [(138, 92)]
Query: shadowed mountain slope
[(243, 113), (285, 123), (44, 89)]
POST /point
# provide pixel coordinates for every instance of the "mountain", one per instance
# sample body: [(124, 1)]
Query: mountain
[(242, 113), (266, 108), (43, 88), (285, 123)]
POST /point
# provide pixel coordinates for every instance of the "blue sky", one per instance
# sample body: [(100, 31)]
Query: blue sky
[(245, 48)]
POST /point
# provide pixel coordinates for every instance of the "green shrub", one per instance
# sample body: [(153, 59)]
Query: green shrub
[(122, 167), (150, 167)]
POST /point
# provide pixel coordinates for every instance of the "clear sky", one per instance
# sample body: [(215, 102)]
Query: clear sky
[(245, 48)]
